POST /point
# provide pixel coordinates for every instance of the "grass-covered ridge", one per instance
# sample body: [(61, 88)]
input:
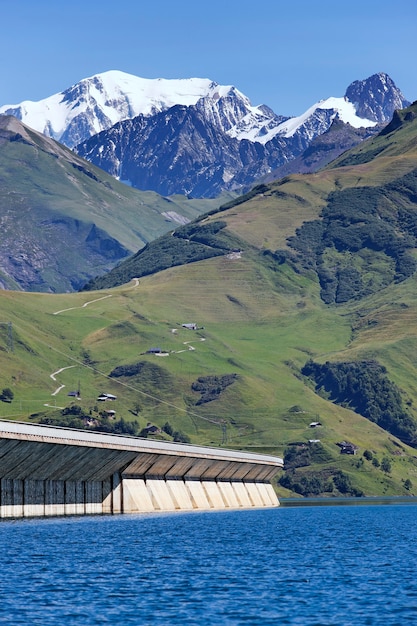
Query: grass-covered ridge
[(187, 244), (354, 227), (363, 241)]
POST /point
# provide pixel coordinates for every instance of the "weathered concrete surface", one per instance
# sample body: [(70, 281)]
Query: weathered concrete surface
[(47, 471)]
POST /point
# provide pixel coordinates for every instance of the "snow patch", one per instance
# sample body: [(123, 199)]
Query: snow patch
[(172, 216), (343, 108), (117, 94)]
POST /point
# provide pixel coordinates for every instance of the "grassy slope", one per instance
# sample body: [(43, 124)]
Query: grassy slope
[(49, 179), (261, 322), (261, 326), (269, 218)]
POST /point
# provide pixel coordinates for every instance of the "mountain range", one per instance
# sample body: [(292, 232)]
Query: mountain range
[(195, 137)]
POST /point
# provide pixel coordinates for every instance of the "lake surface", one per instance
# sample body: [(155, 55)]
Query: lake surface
[(304, 565)]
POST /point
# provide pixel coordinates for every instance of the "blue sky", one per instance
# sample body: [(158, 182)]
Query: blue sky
[(287, 55)]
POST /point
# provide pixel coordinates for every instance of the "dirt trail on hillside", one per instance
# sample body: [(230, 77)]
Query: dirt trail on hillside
[(58, 389), (110, 295), (82, 306)]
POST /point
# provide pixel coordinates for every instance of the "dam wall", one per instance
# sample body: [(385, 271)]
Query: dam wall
[(49, 471)]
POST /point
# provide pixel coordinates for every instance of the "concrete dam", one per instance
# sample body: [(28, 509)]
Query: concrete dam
[(51, 471)]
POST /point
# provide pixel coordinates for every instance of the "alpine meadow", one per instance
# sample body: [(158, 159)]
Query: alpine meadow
[(282, 322)]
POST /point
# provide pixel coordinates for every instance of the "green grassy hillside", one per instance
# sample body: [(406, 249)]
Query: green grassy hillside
[(251, 280), (259, 325)]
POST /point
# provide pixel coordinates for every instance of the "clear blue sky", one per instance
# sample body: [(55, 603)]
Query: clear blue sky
[(287, 55)]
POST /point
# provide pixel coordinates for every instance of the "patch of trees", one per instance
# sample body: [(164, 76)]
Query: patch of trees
[(365, 387), (74, 416), (150, 375), (355, 223), (319, 483), (207, 234), (385, 464), (177, 435), (130, 369), (303, 455), (210, 387)]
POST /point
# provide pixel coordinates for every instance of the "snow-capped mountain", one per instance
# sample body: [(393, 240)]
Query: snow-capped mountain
[(97, 103), (194, 136), (222, 142)]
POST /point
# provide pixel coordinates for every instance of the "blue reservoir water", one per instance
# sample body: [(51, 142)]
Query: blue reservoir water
[(306, 566)]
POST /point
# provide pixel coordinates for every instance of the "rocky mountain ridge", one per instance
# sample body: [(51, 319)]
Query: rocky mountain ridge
[(204, 149), (217, 141), (97, 103)]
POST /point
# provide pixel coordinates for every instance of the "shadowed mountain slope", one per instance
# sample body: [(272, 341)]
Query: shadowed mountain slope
[(64, 220)]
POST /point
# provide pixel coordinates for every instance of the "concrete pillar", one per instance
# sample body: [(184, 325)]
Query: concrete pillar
[(34, 498), (180, 495), (107, 504), (69, 496), (93, 497), (228, 494), (160, 494), (268, 494), (242, 494), (136, 497), (214, 495), (197, 494), (253, 492), (54, 497), (117, 493)]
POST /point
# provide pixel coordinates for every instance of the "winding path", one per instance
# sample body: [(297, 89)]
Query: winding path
[(187, 343), (58, 389)]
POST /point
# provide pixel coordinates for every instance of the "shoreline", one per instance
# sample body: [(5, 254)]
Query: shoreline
[(350, 501)]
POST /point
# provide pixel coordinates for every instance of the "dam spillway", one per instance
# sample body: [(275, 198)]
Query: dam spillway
[(52, 471)]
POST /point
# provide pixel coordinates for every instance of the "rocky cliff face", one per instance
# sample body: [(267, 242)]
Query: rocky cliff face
[(179, 151), (376, 98)]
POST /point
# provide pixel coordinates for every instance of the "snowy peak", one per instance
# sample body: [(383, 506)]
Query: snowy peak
[(194, 136), (366, 104), (327, 109), (376, 98), (223, 108), (97, 103), (231, 112)]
